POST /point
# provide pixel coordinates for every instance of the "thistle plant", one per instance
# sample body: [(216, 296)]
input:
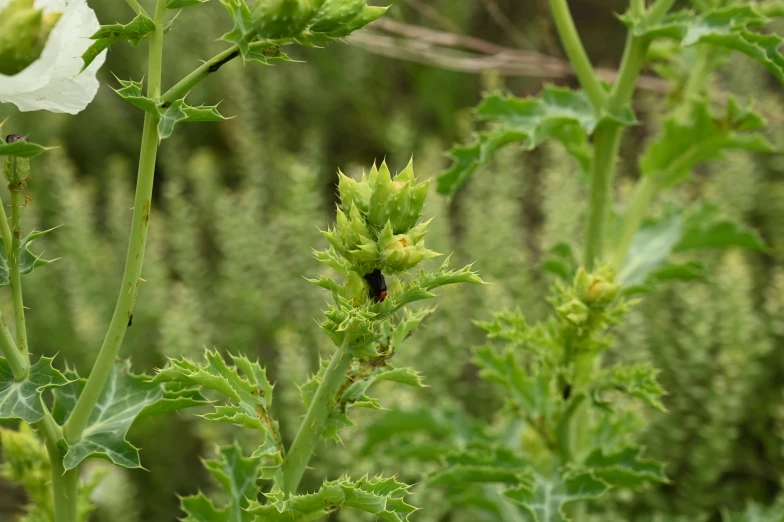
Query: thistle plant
[(377, 236), (569, 431)]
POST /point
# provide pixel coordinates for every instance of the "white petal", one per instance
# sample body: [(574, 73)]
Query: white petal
[(53, 82)]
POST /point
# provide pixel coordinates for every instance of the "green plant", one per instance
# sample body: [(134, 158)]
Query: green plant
[(377, 232), (570, 431)]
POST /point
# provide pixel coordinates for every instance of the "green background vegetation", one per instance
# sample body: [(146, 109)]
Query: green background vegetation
[(237, 211)]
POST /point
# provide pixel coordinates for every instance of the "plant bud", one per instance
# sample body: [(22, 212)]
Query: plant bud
[(574, 311), (23, 34), (279, 19), (596, 289), (332, 14), (376, 225), (15, 169)]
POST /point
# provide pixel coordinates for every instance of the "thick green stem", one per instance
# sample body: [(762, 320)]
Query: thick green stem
[(15, 274), (606, 142), (136, 246), (65, 485), (312, 425), (576, 53)]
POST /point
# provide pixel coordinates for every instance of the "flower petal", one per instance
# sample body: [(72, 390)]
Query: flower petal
[(53, 82)]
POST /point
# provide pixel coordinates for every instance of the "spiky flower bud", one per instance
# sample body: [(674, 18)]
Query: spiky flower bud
[(377, 221), (23, 34)]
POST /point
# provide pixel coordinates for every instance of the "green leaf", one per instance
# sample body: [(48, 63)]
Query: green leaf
[(124, 398), (238, 476), (650, 248), (481, 462), (696, 136), (179, 4), (27, 260), (134, 32), (248, 396), (169, 114), (705, 228), (394, 424), (638, 380), (22, 400), (131, 91), (625, 468), (178, 111), (546, 499), (558, 113), (382, 497), (528, 394), (561, 262), (21, 149), (728, 27)]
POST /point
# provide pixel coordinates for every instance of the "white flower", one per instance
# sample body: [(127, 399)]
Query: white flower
[(54, 82)]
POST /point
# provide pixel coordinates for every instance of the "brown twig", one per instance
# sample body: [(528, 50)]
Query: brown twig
[(469, 54)]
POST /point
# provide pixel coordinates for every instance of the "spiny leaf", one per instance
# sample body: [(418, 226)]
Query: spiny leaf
[(558, 113), (124, 398), (178, 111), (637, 380), (625, 468), (238, 476), (27, 260), (382, 497), (22, 400), (728, 27), (527, 393), (696, 136), (482, 462), (131, 91), (248, 396), (361, 376), (134, 32), (546, 500)]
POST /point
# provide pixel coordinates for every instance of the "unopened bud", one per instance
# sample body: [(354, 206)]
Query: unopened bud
[(15, 169), (24, 31)]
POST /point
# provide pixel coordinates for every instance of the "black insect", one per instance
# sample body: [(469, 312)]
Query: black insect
[(567, 392), (130, 320), (11, 138), (378, 286)]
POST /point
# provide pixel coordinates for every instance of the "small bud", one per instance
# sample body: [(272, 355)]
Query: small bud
[(15, 169), (334, 13), (24, 31), (596, 289), (278, 19), (574, 311)]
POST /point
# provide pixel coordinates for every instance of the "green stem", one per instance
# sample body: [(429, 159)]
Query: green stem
[(137, 7), (312, 425), (15, 273), (136, 246), (183, 87), (65, 485), (20, 365), (644, 193), (606, 142), (576, 53), (564, 431)]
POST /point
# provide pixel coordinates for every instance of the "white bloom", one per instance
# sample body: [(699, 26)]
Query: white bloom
[(53, 82)]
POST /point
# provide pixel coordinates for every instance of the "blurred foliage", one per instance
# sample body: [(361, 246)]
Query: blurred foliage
[(235, 218)]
